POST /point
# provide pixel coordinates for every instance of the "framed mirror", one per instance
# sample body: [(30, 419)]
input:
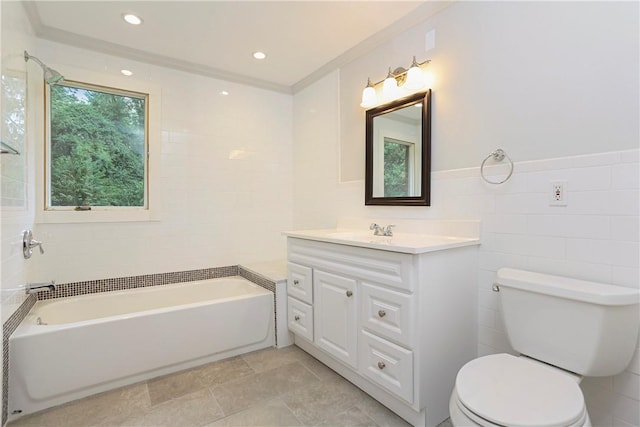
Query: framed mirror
[(398, 152)]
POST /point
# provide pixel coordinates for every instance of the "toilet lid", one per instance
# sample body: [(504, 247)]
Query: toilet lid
[(510, 391)]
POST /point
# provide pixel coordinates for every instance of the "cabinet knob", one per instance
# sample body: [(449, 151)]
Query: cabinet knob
[(349, 293), (381, 365), (381, 313), (296, 318), (296, 282)]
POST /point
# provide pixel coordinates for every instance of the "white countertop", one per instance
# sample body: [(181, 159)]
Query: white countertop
[(400, 242)]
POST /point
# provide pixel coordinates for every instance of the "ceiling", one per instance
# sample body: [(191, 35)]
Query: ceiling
[(303, 40)]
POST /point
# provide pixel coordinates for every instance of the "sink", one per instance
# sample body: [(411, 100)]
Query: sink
[(399, 242)]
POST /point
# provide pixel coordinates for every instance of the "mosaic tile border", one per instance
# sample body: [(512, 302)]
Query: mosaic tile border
[(9, 328), (116, 284), (132, 282)]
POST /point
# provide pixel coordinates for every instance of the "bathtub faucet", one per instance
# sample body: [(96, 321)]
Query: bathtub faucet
[(32, 288)]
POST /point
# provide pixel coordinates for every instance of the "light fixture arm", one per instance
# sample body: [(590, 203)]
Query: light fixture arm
[(399, 72)]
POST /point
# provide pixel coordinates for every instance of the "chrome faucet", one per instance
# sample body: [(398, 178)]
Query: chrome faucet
[(32, 288), (381, 231), (28, 243)]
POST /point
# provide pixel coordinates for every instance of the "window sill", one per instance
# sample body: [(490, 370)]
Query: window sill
[(78, 217)]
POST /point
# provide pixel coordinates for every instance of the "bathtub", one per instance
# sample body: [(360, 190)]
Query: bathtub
[(73, 347)]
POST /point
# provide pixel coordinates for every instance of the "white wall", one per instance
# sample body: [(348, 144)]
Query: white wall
[(556, 86), (16, 171), (538, 79)]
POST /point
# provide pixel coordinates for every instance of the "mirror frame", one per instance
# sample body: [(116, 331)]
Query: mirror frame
[(424, 199)]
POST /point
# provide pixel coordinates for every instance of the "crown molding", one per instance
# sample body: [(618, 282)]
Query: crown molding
[(428, 9)]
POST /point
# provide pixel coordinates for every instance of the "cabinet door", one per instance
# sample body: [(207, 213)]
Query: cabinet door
[(335, 315)]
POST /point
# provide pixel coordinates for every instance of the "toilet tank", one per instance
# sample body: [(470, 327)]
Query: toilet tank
[(585, 327)]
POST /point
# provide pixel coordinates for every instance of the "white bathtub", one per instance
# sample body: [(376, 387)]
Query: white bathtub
[(92, 343)]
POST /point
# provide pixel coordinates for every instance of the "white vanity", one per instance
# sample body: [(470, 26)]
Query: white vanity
[(396, 316)]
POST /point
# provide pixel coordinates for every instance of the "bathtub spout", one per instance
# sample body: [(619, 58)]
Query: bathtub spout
[(32, 288)]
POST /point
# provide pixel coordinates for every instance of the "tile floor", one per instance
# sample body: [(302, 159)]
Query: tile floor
[(269, 387)]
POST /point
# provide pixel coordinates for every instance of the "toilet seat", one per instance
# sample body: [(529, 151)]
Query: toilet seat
[(502, 389)]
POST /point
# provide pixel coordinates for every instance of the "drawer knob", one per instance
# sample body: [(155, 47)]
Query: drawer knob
[(381, 313), (296, 318), (381, 365), (296, 282), (349, 293)]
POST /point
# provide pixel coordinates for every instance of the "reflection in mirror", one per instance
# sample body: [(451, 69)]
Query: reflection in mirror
[(398, 152)]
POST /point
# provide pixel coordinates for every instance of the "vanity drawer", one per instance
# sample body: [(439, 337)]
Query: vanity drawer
[(387, 364), (387, 313), (300, 318), (300, 282)]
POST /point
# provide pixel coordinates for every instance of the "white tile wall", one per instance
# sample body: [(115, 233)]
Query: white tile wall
[(595, 238), (215, 210)]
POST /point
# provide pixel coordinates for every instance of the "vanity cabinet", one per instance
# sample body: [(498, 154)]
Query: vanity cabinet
[(398, 325)]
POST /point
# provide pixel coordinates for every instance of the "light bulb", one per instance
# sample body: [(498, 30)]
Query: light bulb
[(390, 87), (415, 78), (369, 96)]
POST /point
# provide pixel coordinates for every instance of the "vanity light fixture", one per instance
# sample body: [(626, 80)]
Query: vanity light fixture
[(398, 82), (132, 19)]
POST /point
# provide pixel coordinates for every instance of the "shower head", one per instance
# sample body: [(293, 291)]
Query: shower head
[(50, 75)]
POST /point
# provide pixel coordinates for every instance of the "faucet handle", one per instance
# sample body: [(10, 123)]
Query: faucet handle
[(373, 226), (388, 231)]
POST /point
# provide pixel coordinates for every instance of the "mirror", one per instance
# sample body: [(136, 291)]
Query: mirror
[(398, 152)]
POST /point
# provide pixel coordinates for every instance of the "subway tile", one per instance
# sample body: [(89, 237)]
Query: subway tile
[(583, 226), (625, 254), (494, 338), (627, 384), (579, 270), (626, 176), (625, 228), (580, 179), (496, 260), (623, 202), (626, 409), (487, 317), (500, 223), (625, 276), (629, 156), (590, 250)]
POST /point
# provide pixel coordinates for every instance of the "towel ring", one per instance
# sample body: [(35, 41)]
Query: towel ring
[(498, 156)]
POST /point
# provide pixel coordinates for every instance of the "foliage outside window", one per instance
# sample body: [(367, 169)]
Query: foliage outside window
[(98, 147), (397, 161)]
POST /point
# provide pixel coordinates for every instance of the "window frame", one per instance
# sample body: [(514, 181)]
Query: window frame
[(110, 83)]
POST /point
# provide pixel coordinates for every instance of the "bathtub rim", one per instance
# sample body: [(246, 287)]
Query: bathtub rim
[(28, 325)]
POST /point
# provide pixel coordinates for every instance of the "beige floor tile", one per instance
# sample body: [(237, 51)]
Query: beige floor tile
[(383, 416), (105, 409), (35, 420), (238, 395), (171, 386), (271, 358), (222, 371), (191, 410), (273, 413), (353, 417), (314, 403), (286, 378)]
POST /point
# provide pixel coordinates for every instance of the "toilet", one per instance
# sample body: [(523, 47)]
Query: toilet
[(563, 329)]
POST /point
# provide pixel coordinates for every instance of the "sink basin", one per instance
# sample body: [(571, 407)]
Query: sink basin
[(399, 242)]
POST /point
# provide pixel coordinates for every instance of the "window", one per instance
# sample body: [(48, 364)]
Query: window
[(97, 148), (101, 147)]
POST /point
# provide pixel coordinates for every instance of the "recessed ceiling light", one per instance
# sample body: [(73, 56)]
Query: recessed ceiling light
[(132, 19), (259, 55), (224, 93), (127, 72)]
